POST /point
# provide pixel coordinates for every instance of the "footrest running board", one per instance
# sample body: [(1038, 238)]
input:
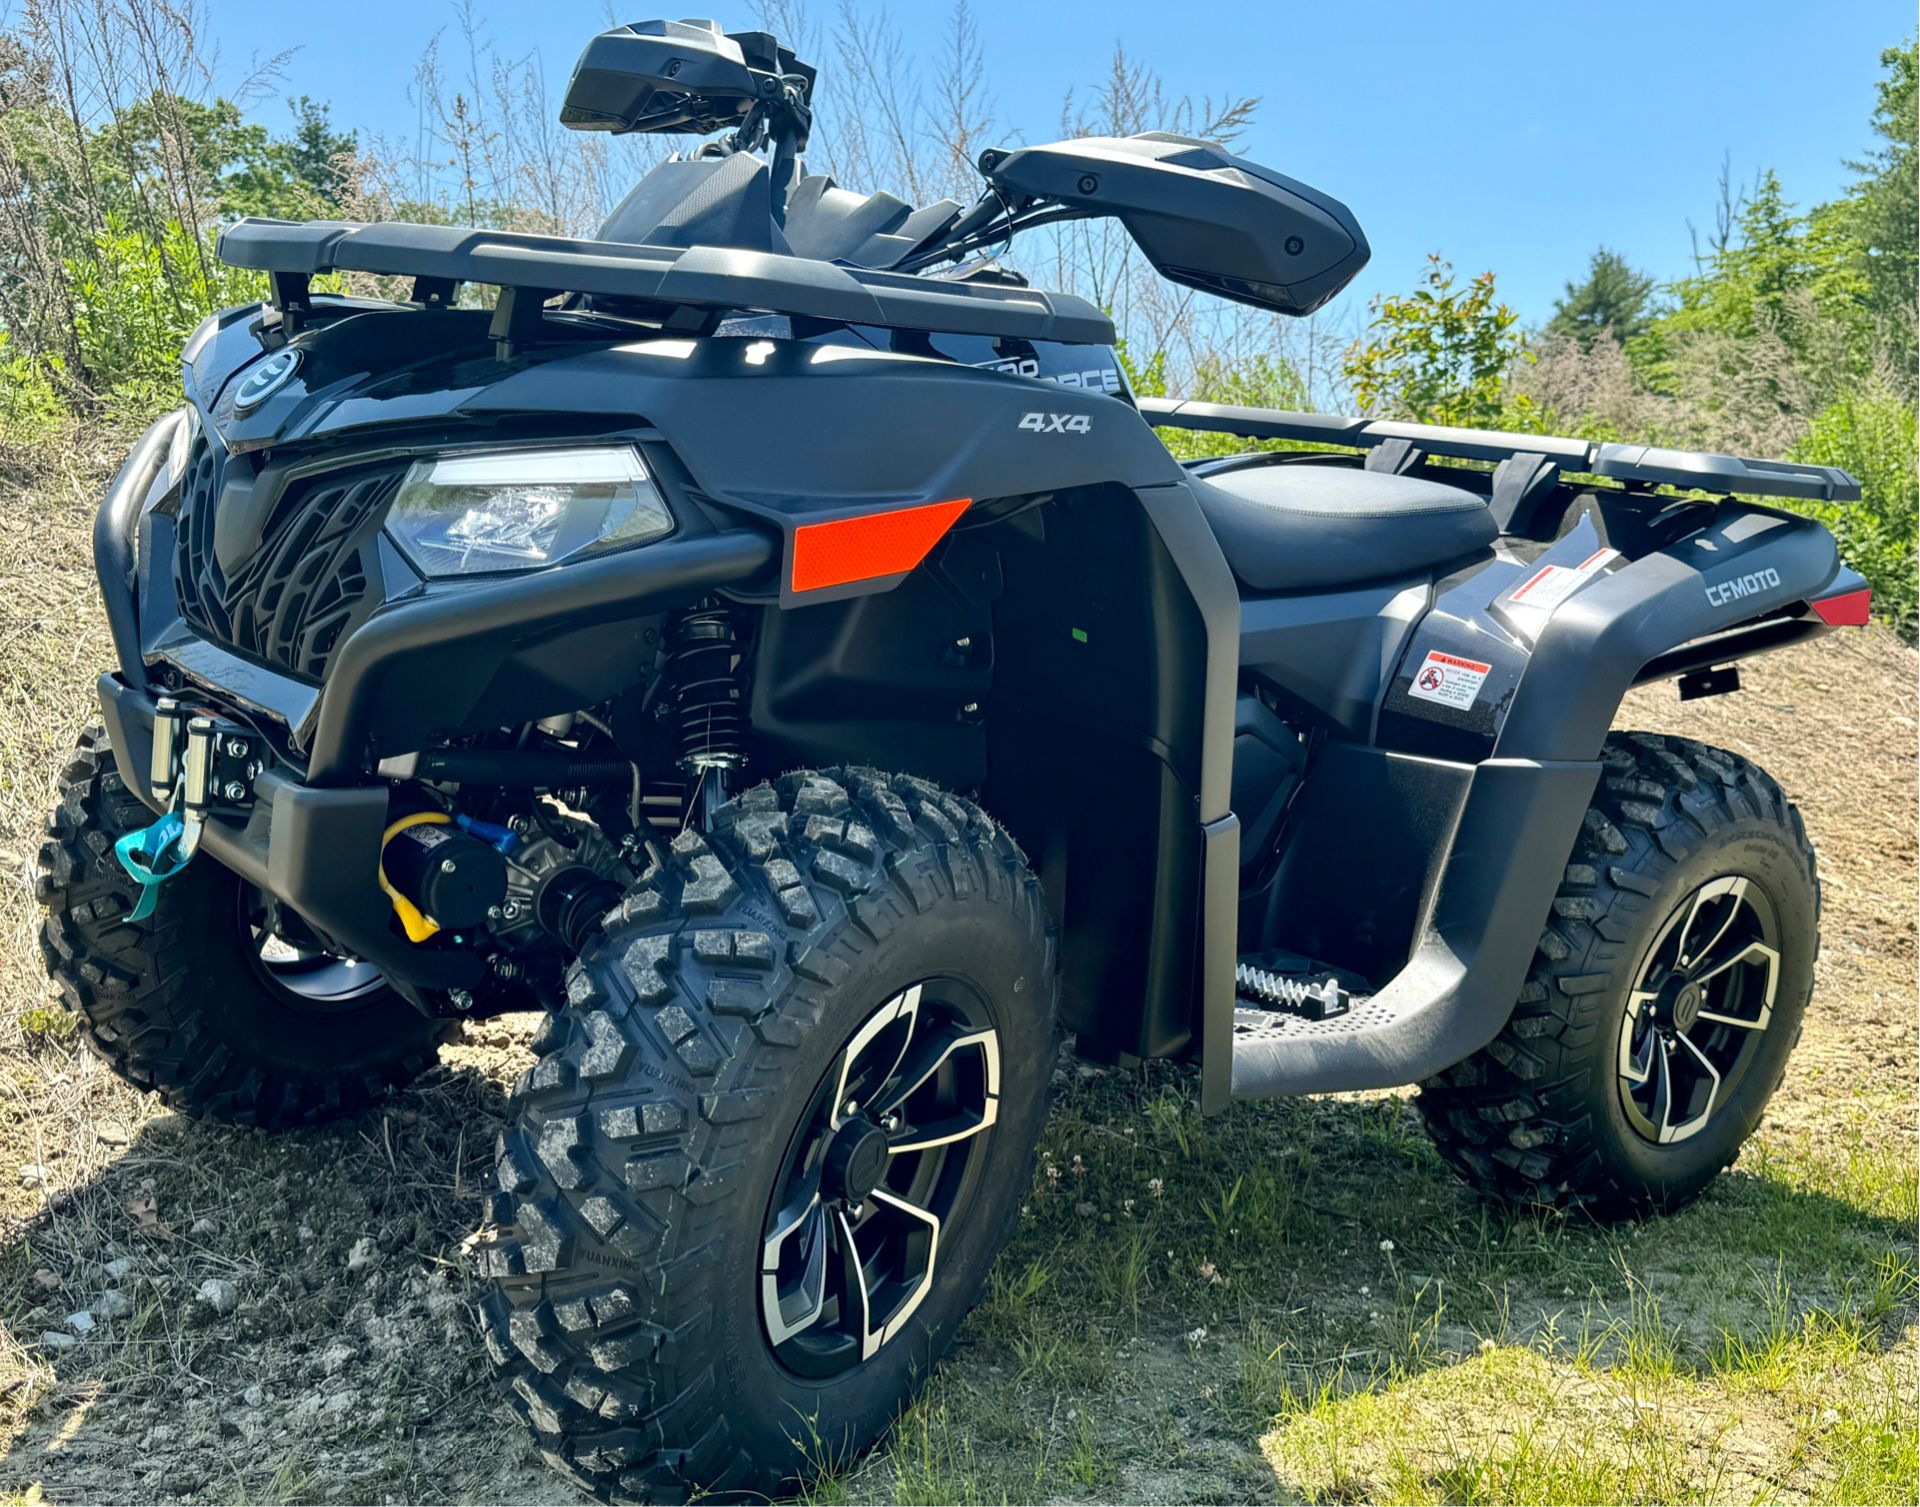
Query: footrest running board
[(1309, 998), (1504, 860)]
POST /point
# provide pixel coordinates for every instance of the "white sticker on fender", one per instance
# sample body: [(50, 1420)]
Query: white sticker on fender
[(1448, 679), (1551, 585)]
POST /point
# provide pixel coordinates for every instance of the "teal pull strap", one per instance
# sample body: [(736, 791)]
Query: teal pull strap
[(151, 856)]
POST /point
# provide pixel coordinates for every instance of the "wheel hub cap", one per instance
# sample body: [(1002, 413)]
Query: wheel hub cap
[(856, 1161), (1697, 1011)]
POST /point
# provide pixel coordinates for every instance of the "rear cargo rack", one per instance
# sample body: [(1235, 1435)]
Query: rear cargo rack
[(699, 278), (1646, 465)]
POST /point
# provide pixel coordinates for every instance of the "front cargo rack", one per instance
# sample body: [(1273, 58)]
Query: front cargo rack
[(534, 268), (1646, 465)]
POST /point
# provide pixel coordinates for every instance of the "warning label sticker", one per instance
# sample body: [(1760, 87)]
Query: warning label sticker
[(1448, 679), (1551, 585)]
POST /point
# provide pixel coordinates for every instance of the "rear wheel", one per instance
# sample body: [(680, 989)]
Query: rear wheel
[(766, 1157), (218, 1001), (1666, 994)]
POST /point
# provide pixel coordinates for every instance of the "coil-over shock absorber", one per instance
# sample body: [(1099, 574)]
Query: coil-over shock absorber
[(707, 682)]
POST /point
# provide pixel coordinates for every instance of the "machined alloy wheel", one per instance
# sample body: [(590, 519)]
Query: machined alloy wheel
[(1697, 1010), (1668, 987), (888, 1155), (767, 1154)]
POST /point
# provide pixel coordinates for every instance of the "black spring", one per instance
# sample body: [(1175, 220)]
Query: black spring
[(706, 674)]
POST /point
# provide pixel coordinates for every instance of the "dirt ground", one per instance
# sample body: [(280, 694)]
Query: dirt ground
[(286, 1318)]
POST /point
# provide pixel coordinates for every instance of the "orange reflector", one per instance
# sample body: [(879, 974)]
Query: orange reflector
[(869, 547)]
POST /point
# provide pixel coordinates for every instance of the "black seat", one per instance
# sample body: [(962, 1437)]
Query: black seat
[(1288, 527)]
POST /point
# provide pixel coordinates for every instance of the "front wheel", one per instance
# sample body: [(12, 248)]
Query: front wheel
[(1666, 994), (761, 1167)]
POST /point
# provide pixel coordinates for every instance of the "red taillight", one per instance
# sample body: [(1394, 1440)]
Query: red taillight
[(1851, 609), (870, 546)]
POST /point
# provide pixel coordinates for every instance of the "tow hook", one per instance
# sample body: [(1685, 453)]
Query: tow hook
[(199, 765)]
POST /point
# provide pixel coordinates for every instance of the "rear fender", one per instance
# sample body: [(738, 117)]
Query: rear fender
[(1748, 566)]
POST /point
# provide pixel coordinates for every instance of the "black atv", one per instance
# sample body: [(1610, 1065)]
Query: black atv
[(621, 652)]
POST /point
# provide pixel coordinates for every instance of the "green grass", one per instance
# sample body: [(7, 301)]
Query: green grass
[(1297, 1301)]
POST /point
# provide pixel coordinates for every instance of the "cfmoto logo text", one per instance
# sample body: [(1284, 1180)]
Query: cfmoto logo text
[(1056, 423), (266, 379), (1723, 592)]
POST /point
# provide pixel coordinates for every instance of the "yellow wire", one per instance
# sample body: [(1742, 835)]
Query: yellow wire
[(413, 921)]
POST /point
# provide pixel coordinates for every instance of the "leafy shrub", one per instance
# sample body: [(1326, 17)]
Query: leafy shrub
[(1872, 435), (1441, 355), (1262, 382), (137, 299), (29, 403)]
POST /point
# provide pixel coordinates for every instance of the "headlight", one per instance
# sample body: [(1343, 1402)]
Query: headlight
[(518, 510)]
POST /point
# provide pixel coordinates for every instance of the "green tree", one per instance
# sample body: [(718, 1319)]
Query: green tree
[(1613, 299), (169, 151), (1781, 271), (1881, 211), (1441, 354), (107, 228), (301, 176)]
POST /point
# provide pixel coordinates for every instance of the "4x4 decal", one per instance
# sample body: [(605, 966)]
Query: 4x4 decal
[(1057, 423)]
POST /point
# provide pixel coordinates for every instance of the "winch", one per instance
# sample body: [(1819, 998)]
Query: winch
[(438, 875)]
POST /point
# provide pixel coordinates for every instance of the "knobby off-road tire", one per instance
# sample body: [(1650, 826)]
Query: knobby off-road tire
[(624, 1302), (180, 1002), (1540, 1116)]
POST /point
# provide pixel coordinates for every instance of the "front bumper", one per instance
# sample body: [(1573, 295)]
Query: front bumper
[(449, 658), (317, 850)]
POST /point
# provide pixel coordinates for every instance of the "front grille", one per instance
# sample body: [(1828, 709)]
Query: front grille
[(313, 578)]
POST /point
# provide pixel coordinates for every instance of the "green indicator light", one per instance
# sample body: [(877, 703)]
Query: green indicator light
[(1079, 635)]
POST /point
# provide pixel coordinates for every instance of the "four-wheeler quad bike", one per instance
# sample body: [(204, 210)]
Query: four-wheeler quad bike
[(771, 642)]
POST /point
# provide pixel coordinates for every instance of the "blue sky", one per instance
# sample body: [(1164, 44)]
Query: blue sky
[(1510, 136)]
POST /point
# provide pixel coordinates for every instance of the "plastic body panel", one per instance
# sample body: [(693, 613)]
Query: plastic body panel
[(1594, 648), (841, 427), (1502, 863), (1326, 902), (1109, 747), (1330, 655)]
